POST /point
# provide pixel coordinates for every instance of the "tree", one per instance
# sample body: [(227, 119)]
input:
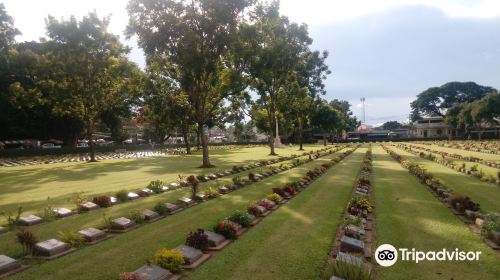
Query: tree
[(86, 73), (436, 100), (391, 125), (195, 38), (327, 118), (273, 46), (8, 32), (348, 121)]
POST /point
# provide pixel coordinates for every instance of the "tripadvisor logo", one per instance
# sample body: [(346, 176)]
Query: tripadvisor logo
[(387, 255)]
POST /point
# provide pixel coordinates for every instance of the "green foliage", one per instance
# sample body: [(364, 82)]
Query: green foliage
[(227, 228), (48, 211), (274, 197), (160, 208), (169, 259), (211, 193), (491, 223), (103, 201), (198, 240), (360, 202), (346, 270), (156, 186), (136, 216), (241, 218), (13, 219), (79, 199), (27, 239), (72, 238), (122, 196)]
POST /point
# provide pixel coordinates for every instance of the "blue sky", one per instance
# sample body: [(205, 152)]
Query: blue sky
[(384, 50)]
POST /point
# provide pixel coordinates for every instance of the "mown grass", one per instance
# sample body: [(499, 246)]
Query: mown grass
[(30, 186), (491, 171), (484, 193), (95, 218), (129, 251), (408, 216), (294, 242), (480, 155)]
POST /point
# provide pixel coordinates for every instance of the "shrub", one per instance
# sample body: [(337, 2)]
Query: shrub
[(268, 204), (27, 239), (169, 259), (103, 201), (72, 238), (212, 193), (291, 190), (194, 185), (48, 211), (197, 239), (274, 197), (253, 210), (160, 208), (251, 176), (236, 180), (491, 223), (346, 270), (461, 203), (241, 218), (156, 186), (361, 203), (79, 199), (279, 192), (122, 196), (13, 219), (201, 178), (227, 228), (136, 216)]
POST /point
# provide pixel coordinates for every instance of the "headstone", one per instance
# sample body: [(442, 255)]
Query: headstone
[(50, 247), (164, 188), (153, 272), (30, 220), (479, 222), (350, 259), (145, 192), (113, 200), (132, 195), (122, 223), (8, 264), (174, 185), (92, 234), (187, 202), (223, 190), (200, 197), (214, 239), (3, 230), (354, 231), (88, 206), (63, 212), (336, 278), (189, 254), (262, 210), (150, 215), (348, 244), (171, 207)]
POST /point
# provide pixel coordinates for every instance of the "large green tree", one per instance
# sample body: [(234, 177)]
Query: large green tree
[(196, 39), (436, 100), (326, 118), (85, 73), (273, 46)]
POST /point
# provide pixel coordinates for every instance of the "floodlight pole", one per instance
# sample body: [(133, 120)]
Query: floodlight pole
[(363, 104)]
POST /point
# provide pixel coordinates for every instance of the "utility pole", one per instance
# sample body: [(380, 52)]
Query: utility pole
[(363, 104)]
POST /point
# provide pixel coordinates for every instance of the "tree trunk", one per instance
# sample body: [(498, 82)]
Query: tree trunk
[(272, 123), (198, 141), (90, 135), (324, 139), (186, 141), (301, 148), (204, 146)]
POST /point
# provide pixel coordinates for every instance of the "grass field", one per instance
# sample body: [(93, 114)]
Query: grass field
[(484, 193), (294, 242), (129, 251), (30, 186), (408, 216), (480, 155)]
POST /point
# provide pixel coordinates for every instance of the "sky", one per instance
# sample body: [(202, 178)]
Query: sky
[(387, 51)]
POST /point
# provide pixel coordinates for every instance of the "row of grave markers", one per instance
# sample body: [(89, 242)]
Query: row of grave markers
[(53, 248), (194, 257), (31, 220), (473, 219), (353, 242)]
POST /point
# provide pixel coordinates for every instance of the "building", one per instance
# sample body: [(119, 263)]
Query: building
[(432, 127)]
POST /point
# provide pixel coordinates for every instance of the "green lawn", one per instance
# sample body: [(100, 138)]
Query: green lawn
[(131, 250), (95, 218), (492, 171), (409, 216), (484, 193), (294, 242), (30, 186), (480, 155)]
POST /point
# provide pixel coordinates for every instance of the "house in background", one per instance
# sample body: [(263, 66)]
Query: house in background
[(432, 127)]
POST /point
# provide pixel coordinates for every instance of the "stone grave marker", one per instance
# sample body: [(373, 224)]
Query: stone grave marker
[(187, 202), (8, 264), (50, 248), (63, 212), (30, 220), (88, 206), (150, 215), (171, 208), (132, 195), (3, 230), (350, 259), (113, 200), (349, 244), (153, 272), (92, 234), (354, 231), (190, 254), (122, 224), (223, 190), (214, 239), (200, 197)]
